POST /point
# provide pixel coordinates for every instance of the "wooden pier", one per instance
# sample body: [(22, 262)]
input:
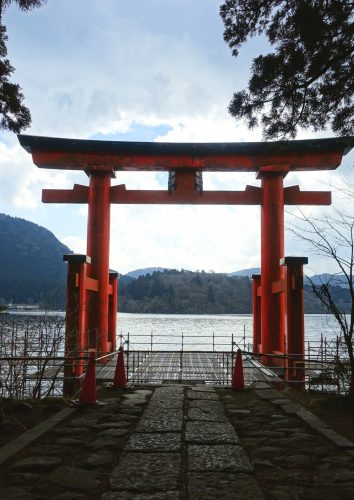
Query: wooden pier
[(184, 367)]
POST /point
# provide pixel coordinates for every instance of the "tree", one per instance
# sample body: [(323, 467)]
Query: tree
[(332, 236), (308, 79), (15, 116)]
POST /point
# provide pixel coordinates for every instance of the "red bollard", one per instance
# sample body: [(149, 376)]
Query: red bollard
[(120, 379), (238, 382)]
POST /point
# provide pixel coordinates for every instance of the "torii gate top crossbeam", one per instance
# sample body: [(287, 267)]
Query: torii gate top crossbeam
[(74, 154)]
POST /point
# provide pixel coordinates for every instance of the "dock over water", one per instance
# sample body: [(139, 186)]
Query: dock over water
[(174, 366)]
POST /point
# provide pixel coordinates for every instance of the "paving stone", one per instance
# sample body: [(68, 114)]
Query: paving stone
[(74, 478), (291, 409), (268, 451), (104, 443), (211, 432), (223, 486), (313, 421), (158, 412), (70, 495), (260, 462), (146, 393), (239, 412), (265, 434), (337, 439), (299, 460), (127, 495), (280, 401), (262, 385), (206, 414), (341, 459), (166, 441), (113, 433), (133, 402), (134, 396), (14, 493), (212, 405), (268, 394), (203, 395), (70, 431), (202, 388), (146, 472), (83, 422), (36, 464), (169, 424), (113, 425), (69, 441), (99, 459), (124, 415), (335, 476), (222, 458)]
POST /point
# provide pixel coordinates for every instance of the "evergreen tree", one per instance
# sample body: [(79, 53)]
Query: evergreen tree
[(307, 80)]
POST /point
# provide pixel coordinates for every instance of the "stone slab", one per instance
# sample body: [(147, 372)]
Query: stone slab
[(74, 478), (221, 458), (13, 447), (200, 403), (102, 458), (154, 442), (145, 472), (211, 432), (202, 388), (169, 424), (203, 395), (280, 401), (206, 414), (36, 464), (291, 409), (313, 421), (337, 439), (157, 412), (268, 394), (128, 495), (262, 385), (224, 486)]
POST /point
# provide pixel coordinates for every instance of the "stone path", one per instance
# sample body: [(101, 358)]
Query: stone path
[(184, 442)]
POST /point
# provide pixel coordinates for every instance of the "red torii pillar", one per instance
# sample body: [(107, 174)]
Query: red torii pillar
[(272, 250), (295, 328), (256, 310), (98, 236)]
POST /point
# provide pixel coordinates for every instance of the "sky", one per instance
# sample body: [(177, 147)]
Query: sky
[(139, 70)]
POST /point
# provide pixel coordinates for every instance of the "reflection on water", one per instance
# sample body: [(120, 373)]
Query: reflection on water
[(201, 330), (196, 332)]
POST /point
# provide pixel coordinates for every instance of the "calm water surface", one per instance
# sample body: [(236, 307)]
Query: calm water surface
[(197, 332), (200, 331)]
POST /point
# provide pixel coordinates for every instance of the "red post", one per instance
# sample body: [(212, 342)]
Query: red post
[(272, 250), (112, 317), (74, 321), (98, 228), (295, 319), (256, 306)]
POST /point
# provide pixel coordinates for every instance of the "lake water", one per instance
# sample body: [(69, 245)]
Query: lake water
[(197, 332)]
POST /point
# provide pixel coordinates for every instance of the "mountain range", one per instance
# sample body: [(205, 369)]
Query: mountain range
[(33, 272)]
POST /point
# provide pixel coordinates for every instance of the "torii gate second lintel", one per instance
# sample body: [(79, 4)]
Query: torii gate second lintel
[(185, 163)]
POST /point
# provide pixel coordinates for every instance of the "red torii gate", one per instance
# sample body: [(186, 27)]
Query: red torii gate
[(185, 163)]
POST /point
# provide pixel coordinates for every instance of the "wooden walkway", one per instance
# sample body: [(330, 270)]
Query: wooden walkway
[(209, 367)]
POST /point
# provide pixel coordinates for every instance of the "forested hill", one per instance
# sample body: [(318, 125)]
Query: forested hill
[(186, 292), (32, 270)]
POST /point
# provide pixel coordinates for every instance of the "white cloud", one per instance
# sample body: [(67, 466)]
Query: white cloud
[(89, 70)]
